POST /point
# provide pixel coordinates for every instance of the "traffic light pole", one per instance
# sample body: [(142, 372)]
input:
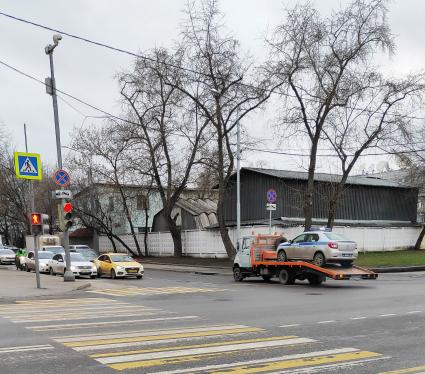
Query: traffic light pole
[(37, 265), (68, 275)]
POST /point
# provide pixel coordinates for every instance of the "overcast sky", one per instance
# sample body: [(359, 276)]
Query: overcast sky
[(88, 72)]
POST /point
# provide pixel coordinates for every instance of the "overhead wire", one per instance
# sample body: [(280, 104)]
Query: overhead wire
[(182, 68)]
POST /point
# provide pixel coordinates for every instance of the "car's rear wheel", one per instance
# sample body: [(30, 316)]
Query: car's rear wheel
[(281, 256), (346, 264), (286, 277), (319, 259), (237, 274), (113, 274)]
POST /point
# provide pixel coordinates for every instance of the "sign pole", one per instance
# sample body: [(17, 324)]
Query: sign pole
[(31, 187), (270, 222), (37, 267), (68, 274), (238, 186)]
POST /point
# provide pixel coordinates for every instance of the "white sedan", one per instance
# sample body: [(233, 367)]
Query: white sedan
[(44, 258), (79, 266)]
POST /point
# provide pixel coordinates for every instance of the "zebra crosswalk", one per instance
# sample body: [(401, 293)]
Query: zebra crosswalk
[(107, 333), (147, 291)]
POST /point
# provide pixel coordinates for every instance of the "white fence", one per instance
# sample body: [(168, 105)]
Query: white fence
[(208, 243)]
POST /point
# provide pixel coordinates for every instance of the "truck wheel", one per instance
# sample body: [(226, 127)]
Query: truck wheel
[(314, 280), (319, 259), (237, 274), (281, 256), (267, 278), (346, 264), (286, 277)]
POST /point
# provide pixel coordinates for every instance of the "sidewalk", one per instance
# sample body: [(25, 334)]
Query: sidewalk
[(20, 285)]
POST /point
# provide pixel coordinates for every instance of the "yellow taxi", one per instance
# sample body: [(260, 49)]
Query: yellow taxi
[(118, 265)]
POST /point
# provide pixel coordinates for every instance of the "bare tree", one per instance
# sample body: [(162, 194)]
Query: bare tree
[(222, 84), (372, 118), (163, 127), (108, 155), (317, 61)]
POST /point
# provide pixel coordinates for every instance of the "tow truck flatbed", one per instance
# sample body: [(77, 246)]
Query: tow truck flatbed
[(262, 262)]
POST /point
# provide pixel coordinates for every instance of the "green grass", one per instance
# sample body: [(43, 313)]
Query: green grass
[(395, 258)]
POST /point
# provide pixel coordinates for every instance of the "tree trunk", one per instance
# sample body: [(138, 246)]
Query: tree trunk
[(420, 238), (228, 245), (176, 235), (308, 199), (114, 246), (146, 233), (331, 213)]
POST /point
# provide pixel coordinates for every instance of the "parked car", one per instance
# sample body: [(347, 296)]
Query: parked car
[(43, 261), (321, 247), (118, 265), (7, 256), (55, 249), (11, 247), (88, 253), (79, 265)]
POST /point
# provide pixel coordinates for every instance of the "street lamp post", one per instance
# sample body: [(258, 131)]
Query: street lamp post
[(51, 89)]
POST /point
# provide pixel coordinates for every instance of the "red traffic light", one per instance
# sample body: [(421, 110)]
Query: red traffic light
[(35, 219), (67, 208)]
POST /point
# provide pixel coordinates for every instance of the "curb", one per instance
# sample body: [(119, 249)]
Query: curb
[(397, 269)]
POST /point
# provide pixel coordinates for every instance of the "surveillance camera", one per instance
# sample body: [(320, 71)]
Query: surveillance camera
[(56, 38)]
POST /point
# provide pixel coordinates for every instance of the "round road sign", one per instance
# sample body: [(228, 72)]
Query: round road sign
[(271, 195), (61, 178)]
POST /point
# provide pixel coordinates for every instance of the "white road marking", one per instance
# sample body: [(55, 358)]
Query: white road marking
[(344, 365), (388, 315), (357, 318), (26, 348), (203, 350), (67, 326), (294, 325), (89, 317), (261, 361), (415, 312), (81, 338), (323, 322)]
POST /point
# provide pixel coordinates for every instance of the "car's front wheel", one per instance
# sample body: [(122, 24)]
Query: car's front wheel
[(281, 256), (113, 274), (139, 276), (27, 268), (237, 274), (319, 259), (286, 277), (51, 272)]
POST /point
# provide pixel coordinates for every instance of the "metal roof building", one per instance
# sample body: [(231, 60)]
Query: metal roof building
[(365, 201)]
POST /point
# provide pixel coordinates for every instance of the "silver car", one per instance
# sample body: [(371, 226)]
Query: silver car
[(321, 247), (7, 256), (43, 261), (79, 265)]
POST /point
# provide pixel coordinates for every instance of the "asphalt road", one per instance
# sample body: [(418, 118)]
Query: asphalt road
[(189, 323)]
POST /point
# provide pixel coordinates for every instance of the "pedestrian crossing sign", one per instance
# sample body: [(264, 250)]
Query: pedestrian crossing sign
[(28, 166)]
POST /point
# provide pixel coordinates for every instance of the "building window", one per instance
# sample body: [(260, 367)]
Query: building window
[(111, 203), (142, 202)]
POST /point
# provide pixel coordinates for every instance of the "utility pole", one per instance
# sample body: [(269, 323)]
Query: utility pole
[(31, 192), (51, 90), (238, 185)]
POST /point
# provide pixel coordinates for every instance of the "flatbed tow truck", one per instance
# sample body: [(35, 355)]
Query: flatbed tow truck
[(257, 258)]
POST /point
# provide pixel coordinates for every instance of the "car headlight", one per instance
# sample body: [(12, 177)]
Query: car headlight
[(93, 268), (73, 268), (119, 268)]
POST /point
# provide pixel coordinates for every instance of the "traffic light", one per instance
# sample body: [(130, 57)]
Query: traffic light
[(39, 223), (68, 215)]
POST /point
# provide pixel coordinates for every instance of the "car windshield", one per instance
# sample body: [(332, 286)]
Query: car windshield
[(81, 247), (45, 255), (121, 258), (6, 252), (55, 250), (334, 236), (77, 257), (86, 251)]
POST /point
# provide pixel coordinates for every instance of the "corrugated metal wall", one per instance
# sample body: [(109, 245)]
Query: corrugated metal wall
[(358, 203)]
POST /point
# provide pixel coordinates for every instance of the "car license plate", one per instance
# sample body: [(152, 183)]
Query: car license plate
[(85, 272), (132, 271), (347, 255)]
